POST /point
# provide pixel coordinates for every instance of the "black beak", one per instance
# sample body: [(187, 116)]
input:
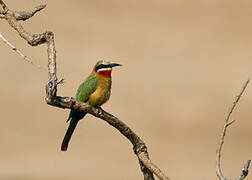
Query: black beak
[(114, 64)]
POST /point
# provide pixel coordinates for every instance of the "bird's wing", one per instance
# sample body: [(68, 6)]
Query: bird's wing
[(86, 88), (84, 91)]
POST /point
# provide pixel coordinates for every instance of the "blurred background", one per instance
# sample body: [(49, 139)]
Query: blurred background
[(183, 63)]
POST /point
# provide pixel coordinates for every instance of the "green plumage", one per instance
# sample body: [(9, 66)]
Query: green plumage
[(87, 88), (95, 90)]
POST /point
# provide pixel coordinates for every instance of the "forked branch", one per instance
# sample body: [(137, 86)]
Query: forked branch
[(227, 124), (140, 149)]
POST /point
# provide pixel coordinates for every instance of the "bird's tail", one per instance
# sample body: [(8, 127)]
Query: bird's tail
[(73, 123)]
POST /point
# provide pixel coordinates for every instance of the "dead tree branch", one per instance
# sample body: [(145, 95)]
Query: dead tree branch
[(21, 15), (227, 123), (24, 15), (17, 51), (245, 171), (140, 149)]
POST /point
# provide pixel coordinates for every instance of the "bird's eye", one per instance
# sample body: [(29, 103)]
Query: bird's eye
[(100, 66)]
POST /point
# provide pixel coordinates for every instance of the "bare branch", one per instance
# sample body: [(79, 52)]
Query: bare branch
[(60, 81), (24, 15), (150, 165), (237, 98), (20, 15), (140, 149), (227, 123), (17, 51), (245, 171), (5, 9)]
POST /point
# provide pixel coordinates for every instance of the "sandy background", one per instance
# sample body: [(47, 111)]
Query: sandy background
[(184, 61)]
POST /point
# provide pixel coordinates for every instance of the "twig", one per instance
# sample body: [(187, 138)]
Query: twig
[(5, 9), (140, 149), (17, 51), (245, 171), (24, 15), (227, 123)]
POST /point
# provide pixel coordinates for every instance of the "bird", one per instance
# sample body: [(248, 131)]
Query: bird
[(94, 90)]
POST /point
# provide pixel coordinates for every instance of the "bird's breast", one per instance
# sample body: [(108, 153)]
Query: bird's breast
[(102, 92)]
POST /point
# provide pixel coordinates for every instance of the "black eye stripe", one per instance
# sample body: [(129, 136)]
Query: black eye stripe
[(102, 66)]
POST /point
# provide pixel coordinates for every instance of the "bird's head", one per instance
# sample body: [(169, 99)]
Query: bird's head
[(104, 67)]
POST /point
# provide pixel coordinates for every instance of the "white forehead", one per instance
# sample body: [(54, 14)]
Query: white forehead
[(105, 62)]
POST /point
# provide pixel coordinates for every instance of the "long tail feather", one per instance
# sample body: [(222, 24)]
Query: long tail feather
[(72, 125)]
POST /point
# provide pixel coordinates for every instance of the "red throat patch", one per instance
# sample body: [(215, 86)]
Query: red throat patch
[(105, 72)]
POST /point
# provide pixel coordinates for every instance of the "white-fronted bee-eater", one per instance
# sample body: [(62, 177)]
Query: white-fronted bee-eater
[(94, 90)]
